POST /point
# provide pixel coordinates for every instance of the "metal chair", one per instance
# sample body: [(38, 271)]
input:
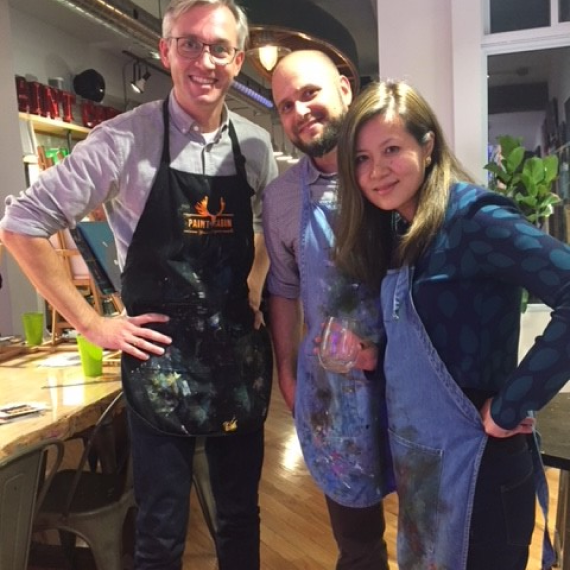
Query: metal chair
[(23, 486), (92, 505)]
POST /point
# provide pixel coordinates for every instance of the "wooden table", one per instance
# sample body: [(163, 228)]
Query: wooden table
[(74, 402), (554, 428)]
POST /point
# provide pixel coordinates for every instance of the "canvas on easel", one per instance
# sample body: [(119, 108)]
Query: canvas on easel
[(96, 243)]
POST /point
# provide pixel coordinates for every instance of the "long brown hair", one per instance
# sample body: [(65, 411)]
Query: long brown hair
[(364, 233)]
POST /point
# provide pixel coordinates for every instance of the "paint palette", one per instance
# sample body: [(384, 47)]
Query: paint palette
[(19, 409)]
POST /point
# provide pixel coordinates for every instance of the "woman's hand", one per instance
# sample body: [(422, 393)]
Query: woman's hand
[(492, 429)]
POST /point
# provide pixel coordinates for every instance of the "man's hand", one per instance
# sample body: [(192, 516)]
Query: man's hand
[(367, 358), (256, 278), (128, 334), (258, 319)]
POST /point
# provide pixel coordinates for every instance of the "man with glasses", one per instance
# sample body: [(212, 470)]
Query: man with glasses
[(180, 182)]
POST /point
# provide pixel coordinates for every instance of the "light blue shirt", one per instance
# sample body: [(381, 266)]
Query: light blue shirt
[(282, 217)]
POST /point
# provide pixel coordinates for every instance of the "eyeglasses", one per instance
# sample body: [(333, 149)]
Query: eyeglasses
[(191, 48)]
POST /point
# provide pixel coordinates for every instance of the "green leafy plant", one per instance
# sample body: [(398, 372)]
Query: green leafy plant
[(527, 181)]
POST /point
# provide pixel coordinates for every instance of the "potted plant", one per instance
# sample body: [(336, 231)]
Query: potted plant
[(527, 181)]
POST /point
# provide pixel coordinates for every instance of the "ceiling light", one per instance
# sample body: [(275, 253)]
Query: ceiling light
[(316, 30), (138, 84), (136, 76), (268, 56), (266, 49)]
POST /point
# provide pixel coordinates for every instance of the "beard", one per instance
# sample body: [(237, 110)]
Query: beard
[(325, 143)]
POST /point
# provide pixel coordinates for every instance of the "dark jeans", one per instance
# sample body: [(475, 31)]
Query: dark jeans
[(504, 507), (359, 534), (162, 467)]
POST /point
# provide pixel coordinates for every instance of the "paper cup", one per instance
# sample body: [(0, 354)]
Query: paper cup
[(33, 328), (91, 357)]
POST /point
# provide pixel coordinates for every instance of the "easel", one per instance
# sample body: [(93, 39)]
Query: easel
[(75, 267), (78, 272)]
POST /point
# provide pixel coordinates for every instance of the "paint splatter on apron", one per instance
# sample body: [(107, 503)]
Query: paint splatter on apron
[(189, 258)]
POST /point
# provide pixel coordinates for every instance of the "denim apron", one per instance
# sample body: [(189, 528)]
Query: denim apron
[(340, 418), (189, 258), (436, 463)]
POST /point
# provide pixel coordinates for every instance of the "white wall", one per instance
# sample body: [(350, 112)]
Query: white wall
[(527, 125), (469, 86), (16, 294), (31, 48), (436, 47), (414, 39)]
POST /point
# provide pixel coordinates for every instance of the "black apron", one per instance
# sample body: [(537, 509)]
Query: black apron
[(189, 258)]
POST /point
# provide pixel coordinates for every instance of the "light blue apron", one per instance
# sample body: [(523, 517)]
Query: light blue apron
[(340, 418), (436, 463)]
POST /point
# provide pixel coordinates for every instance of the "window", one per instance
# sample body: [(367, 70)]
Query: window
[(510, 15), (564, 10)]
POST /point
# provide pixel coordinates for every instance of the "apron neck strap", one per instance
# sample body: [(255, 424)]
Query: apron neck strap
[(239, 158), (166, 138)]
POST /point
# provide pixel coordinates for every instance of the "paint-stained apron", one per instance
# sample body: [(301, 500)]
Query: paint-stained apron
[(437, 441), (189, 258), (340, 418)]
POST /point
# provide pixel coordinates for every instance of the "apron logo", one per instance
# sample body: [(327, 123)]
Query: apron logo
[(232, 425), (204, 222)]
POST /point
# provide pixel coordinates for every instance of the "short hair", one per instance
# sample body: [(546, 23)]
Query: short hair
[(178, 7)]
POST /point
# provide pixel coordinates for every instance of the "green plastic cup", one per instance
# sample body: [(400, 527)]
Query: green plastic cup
[(91, 357), (33, 328)]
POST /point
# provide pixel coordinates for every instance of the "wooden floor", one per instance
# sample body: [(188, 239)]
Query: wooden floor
[(295, 534)]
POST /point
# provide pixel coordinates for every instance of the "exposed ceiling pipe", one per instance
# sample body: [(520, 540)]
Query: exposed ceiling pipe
[(124, 17)]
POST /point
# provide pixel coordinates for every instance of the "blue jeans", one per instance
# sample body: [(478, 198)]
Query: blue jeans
[(162, 469)]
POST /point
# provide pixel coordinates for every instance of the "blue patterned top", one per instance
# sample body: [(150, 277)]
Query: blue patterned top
[(467, 288)]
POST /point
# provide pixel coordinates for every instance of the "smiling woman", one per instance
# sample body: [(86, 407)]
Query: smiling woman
[(453, 258), (391, 165)]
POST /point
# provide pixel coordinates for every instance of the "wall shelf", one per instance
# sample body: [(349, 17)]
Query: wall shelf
[(55, 127)]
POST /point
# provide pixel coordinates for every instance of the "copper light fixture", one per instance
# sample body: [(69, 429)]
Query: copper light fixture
[(265, 47), (268, 44)]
